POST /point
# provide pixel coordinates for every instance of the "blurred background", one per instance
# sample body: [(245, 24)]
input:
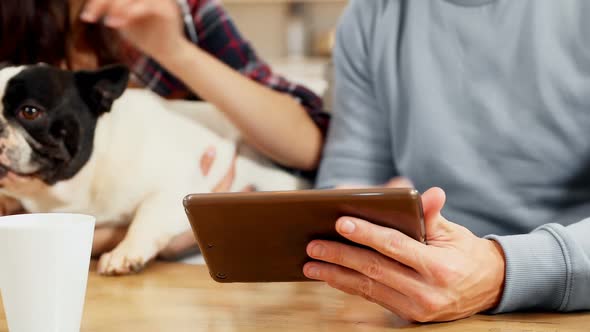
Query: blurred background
[(294, 36)]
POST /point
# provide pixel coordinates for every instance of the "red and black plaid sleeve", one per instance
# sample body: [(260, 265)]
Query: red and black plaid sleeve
[(209, 26)]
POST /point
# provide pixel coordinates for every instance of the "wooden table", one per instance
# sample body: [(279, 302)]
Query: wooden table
[(177, 297)]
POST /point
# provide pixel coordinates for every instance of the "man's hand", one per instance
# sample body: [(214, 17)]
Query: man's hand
[(153, 26), (397, 182), (455, 276)]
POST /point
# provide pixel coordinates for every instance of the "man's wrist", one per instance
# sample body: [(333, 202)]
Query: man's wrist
[(498, 276)]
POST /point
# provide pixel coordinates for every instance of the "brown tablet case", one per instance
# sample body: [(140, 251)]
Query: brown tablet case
[(262, 237)]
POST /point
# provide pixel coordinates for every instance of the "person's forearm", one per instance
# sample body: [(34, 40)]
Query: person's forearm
[(273, 122)]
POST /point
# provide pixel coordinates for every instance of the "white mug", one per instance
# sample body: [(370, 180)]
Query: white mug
[(44, 262)]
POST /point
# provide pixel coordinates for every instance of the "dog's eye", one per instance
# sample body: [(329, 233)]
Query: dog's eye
[(29, 113)]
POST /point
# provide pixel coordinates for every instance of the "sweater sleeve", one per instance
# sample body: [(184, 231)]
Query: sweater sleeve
[(548, 269)]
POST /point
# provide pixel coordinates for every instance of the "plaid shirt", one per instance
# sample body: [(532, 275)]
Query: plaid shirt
[(209, 26)]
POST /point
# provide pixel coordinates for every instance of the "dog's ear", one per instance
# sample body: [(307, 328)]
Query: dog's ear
[(102, 87)]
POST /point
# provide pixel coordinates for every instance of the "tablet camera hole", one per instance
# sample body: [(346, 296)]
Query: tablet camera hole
[(221, 276)]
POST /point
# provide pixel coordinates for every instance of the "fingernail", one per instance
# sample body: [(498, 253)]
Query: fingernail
[(318, 250), (347, 227), (312, 272)]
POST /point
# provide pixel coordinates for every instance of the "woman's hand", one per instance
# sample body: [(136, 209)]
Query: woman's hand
[(455, 276), (185, 242), (153, 26), (226, 182), (107, 238)]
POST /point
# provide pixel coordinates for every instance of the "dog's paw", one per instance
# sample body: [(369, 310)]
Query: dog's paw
[(125, 259)]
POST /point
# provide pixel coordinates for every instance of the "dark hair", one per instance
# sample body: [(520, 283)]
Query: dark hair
[(33, 31)]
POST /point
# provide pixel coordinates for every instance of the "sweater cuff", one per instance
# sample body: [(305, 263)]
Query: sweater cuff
[(536, 271)]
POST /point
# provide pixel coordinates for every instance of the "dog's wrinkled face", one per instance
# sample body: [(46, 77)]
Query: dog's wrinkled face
[(48, 118)]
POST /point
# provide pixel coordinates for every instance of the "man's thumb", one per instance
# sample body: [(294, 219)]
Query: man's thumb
[(433, 200)]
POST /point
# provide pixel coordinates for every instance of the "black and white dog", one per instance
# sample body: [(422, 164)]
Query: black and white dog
[(78, 142)]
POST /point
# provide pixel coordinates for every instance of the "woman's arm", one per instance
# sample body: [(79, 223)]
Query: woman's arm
[(219, 66), (273, 122)]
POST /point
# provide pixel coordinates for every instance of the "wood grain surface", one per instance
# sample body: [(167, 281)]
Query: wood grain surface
[(178, 297)]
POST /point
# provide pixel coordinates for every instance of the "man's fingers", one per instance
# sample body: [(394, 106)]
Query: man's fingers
[(399, 182), (369, 263), (355, 283), (387, 241), (350, 186), (433, 200)]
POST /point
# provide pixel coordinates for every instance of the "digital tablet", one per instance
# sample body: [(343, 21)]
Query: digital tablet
[(262, 237)]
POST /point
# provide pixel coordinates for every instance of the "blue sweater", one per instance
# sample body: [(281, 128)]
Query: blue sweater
[(490, 100)]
